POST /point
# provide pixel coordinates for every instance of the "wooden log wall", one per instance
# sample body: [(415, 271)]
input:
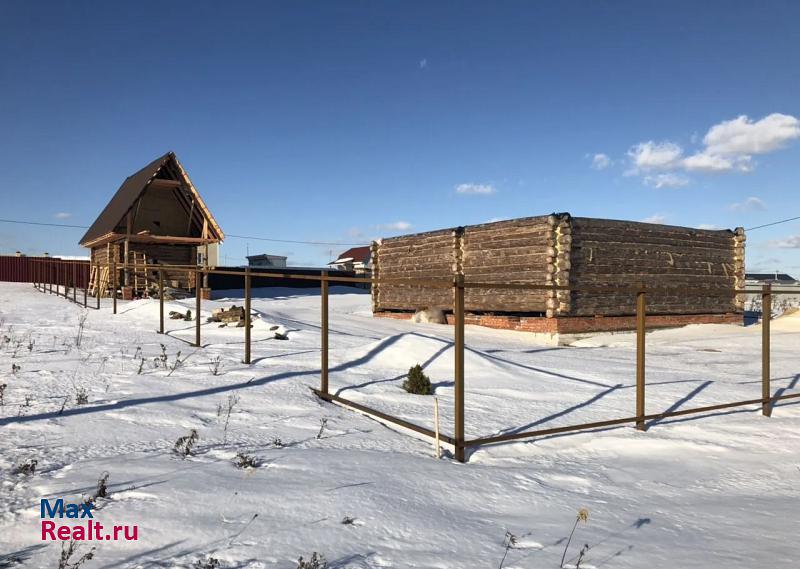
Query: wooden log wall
[(513, 251), (607, 252), (424, 256), (562, 250), (104, 254)]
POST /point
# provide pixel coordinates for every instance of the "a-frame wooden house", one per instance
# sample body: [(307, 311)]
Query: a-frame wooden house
[(156, 217)]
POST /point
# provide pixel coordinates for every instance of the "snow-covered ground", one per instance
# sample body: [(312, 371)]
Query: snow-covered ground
[(714, 490)]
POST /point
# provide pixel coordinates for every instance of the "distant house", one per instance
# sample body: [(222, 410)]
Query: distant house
[(266, 261), (356, 259), (775, 278)]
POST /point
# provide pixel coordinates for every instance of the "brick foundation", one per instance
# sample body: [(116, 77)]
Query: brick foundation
[(578, 324), (205, 293), (127, 293)]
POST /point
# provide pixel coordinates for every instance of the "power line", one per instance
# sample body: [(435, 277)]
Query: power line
[(773, 223), (20, 222), (290, 241), (272, 240), (45, 224)]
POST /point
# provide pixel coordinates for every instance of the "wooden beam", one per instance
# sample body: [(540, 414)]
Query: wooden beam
[(168, 239), (161, 183), (145, 238), (128, 229)]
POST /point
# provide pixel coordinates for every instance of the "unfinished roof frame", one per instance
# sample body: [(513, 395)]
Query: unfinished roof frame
[(120, 220), (156, 214)]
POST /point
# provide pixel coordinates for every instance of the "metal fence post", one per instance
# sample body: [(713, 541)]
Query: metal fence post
[(114, 283), (74, 282), (766, 317), (50, 275), (323, 381), (97, 289), (641, 310), (161, 301), (86, 286), (197, 308), (458, 313), (247, 285)]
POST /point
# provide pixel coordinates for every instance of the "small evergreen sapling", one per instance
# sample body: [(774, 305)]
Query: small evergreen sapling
[(417, 382)]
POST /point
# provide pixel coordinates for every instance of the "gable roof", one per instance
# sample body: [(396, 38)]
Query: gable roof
[(130, 191), (357, 254)]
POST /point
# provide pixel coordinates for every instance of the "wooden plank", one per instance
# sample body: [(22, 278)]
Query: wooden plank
[(161, 183)]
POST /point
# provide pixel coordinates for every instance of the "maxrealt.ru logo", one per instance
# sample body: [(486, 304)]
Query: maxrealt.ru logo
[(87, 529)]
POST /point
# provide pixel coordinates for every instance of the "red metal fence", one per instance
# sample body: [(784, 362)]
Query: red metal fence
[(27, 270)]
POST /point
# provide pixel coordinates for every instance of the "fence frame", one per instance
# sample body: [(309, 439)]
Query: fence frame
[(52, 271)]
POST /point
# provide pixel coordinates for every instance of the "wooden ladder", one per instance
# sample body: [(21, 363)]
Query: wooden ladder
[(139, 271)]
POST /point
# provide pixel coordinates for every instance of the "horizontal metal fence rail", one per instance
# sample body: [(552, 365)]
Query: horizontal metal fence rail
[(53, 272), (612, 422)]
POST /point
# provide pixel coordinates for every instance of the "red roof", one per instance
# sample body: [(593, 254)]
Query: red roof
[(357, 254)]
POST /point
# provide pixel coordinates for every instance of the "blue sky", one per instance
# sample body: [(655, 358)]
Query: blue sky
[(344, 121)]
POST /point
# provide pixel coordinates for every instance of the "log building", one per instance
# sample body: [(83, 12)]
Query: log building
[(156, 217), (564, 250)]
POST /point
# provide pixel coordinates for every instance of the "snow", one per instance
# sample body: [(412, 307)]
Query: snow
[(713, 490)]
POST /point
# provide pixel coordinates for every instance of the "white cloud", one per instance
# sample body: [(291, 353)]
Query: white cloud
[(601, 161), (750, 204), (657, 218), (62, 215), (728, 146), (480, 189), (742, 136), (395, 226), (655, 155), (708, 226), (423, 63), (667, 180), (790, 242), (703, 162), (494, 219)]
